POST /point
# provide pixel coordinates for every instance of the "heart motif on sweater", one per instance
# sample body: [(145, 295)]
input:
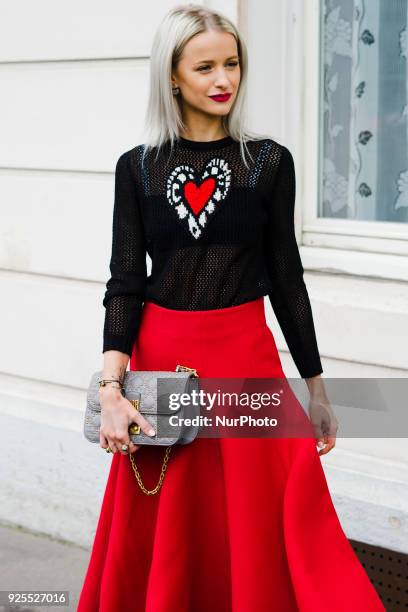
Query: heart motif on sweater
[(197, 197), (195, 200)]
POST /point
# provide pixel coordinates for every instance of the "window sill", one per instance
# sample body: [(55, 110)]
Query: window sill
[(355, 263)]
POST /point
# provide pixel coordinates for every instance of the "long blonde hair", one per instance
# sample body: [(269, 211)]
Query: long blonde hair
[(163, 119)]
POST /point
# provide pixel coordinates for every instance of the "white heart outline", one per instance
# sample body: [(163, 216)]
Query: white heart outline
[(217, 168)]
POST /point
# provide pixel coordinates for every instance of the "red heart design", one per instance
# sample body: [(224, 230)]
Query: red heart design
[(197, 197)]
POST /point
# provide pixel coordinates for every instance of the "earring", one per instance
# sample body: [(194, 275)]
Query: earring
[(175, 90)]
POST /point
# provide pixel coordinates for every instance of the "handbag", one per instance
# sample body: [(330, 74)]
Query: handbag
[(141, 388)]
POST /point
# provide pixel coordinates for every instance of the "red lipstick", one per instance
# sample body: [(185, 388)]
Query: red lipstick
[(221, 97)]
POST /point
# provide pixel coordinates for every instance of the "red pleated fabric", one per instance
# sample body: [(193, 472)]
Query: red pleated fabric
[(240, 524)]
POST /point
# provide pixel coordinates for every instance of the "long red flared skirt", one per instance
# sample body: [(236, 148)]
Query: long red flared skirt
[(240, 524)]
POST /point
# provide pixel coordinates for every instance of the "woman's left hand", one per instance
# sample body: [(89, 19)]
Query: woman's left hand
[(324, 422), (321, 415)]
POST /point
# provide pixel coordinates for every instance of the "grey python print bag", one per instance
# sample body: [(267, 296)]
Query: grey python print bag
[(142, 388)]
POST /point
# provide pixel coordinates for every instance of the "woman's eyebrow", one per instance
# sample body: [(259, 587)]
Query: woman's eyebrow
[(209, 61)]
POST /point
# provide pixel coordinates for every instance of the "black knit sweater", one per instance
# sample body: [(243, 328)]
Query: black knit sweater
[(218, 234)]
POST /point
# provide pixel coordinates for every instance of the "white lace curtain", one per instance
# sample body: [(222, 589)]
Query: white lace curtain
[(365, 110)]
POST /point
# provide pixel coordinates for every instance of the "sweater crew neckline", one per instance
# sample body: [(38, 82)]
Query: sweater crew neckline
[(204, 144)]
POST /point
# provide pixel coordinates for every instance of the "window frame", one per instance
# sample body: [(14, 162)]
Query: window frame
[(362, 248)]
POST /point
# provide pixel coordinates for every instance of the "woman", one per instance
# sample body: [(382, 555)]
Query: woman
[(239, 524)]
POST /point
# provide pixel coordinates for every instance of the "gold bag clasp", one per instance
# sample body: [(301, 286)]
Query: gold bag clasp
[(182, 368), (134, 428)]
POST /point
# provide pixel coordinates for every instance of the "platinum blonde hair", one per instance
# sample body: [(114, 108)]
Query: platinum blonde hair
[(163, 119)]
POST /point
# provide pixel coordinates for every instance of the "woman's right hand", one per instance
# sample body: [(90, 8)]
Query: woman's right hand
[(117, 413)]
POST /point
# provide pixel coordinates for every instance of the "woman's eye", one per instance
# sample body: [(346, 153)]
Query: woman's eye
[(207, 66)]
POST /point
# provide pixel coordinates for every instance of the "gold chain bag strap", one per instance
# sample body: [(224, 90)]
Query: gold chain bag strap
[(141, 389)]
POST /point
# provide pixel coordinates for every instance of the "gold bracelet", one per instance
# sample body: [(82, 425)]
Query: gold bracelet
[(103, 382)]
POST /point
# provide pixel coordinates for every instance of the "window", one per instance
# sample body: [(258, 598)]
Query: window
[(353, 83), (364, 158)]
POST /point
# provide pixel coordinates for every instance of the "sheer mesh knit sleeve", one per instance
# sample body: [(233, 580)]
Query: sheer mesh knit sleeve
[(289, 297), (125, 289)]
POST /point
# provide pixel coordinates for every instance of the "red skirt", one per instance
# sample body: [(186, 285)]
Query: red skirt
[(239, 524)]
